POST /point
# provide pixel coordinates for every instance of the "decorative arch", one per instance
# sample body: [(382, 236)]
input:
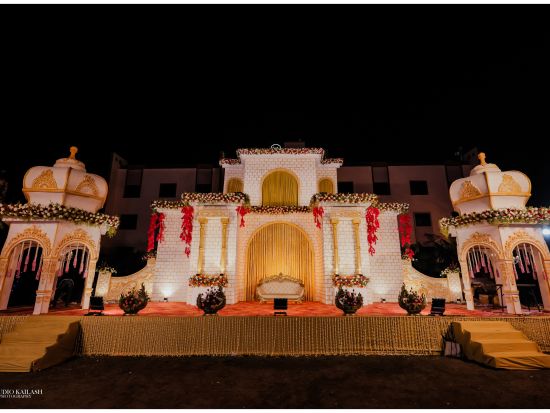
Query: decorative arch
[(235, 185), (326, 185), (522, 237), (280, 187), (88, 186), (478, 239), (280, 247), (30, 234), (78, 236)]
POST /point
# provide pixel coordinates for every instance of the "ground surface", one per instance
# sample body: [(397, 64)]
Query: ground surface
[(252, 382), (308, 309)]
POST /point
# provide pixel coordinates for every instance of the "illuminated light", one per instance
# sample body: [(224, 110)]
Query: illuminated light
[(546, 231)]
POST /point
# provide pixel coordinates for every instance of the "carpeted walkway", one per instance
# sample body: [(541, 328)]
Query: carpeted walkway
[(309, 309)]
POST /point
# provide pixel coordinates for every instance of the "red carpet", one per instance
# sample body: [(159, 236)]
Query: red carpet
[(313, 309)]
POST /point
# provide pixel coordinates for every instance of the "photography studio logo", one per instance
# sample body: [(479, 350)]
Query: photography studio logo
[(19, 393)]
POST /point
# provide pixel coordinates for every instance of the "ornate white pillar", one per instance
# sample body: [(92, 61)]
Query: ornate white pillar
[(468, 294), (88, 287), (509, 289), (45, 286)]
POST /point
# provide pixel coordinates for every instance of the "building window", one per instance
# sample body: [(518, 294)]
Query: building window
[(132, 186), (422, 219), (128, 221), (419, 187), (326, 185), (345, 187), (381, 188), (203, 188), (235, 185), (167, 190)]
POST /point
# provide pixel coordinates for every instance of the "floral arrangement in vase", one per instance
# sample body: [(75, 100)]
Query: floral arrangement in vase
[(212, 301), (134, 300), (348, 302), (411, 301)]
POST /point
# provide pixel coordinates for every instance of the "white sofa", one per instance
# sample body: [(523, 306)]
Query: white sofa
[(280, 286)]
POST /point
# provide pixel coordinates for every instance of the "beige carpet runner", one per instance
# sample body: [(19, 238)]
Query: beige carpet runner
[(38, 342), (499, 345)]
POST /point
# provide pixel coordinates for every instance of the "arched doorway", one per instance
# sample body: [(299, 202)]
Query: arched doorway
[(326, 185), (23, 275), (531, 277), (485, 277), (71, 274), (280, 248), (280, 188)]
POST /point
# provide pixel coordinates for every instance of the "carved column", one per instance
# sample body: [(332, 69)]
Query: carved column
[(223, 258), (358, 264), (45, 286), (203, 222), (89, 283), (468, 295), (3, 270), (509, 289), (336, 264)]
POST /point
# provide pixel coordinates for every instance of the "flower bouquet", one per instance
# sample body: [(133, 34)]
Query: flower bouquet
[(411, 301), (348, 302), (212, 301), (134, 301)]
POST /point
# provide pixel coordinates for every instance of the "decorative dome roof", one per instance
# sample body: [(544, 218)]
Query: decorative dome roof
[(488, 187), (66, 183)]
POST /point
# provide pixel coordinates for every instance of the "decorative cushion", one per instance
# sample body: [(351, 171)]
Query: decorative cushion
[(280, 286)]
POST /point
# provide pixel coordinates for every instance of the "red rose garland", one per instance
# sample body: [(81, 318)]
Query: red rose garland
[(160, 235), (242, 211), (318, 213), (405, 231), (372, 227), (187, 228)]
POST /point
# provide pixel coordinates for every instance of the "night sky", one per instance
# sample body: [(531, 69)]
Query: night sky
[(176, 85)]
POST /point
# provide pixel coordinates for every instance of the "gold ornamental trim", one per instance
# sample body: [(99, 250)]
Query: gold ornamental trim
[(44, 181), (78, 236), (469, 190), (87, 184), (479, 239), (522, 237), (509, 184), (30, 234), (280, 277)]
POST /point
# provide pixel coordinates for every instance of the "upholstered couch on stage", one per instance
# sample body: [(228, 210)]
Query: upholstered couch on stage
[(280, 286)]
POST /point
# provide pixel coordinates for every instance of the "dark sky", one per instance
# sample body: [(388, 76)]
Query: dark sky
[(178, 84)]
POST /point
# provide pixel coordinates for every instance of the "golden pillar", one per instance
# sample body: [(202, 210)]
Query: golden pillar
[(203, 222), (223, 258), (334, 222), (358, 264)]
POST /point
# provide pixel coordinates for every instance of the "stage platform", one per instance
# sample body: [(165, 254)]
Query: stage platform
[(248, 309)]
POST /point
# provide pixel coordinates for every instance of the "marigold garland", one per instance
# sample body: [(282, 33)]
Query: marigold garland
[(356, 280), (373, 224), (528, 215), (204, 280), (56, 211)]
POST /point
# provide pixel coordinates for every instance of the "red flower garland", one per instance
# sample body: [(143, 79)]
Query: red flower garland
[(187, 227), (405, 231), (151, 232), (318, 213), (242, 211), (372, 227), (157, 222)]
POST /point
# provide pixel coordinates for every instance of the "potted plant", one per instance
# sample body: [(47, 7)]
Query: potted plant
[(212, 301), (411, 301), (134, 300), (348, 302)]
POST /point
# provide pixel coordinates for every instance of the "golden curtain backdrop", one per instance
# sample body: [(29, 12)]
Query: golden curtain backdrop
[(280, 188), (326, 185), (279, 248), (235, 185)]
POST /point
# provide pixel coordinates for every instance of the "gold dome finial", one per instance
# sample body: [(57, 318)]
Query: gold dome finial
[(481, 158), (73, 151)]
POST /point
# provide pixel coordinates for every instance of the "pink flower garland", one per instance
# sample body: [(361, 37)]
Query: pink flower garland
[(372, 227), (187, 228)]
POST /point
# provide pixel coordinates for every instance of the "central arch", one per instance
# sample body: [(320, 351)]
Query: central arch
[(280, 248), (280, 188)]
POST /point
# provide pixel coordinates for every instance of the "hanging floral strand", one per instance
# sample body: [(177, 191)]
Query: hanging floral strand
[(242, 211), (405, 231), (372, 227), (187, 228), (151, 232), (161, 226), (318, 213)]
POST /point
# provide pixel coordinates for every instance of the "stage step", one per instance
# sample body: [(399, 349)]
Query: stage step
[(38, 342), (498, 344)]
